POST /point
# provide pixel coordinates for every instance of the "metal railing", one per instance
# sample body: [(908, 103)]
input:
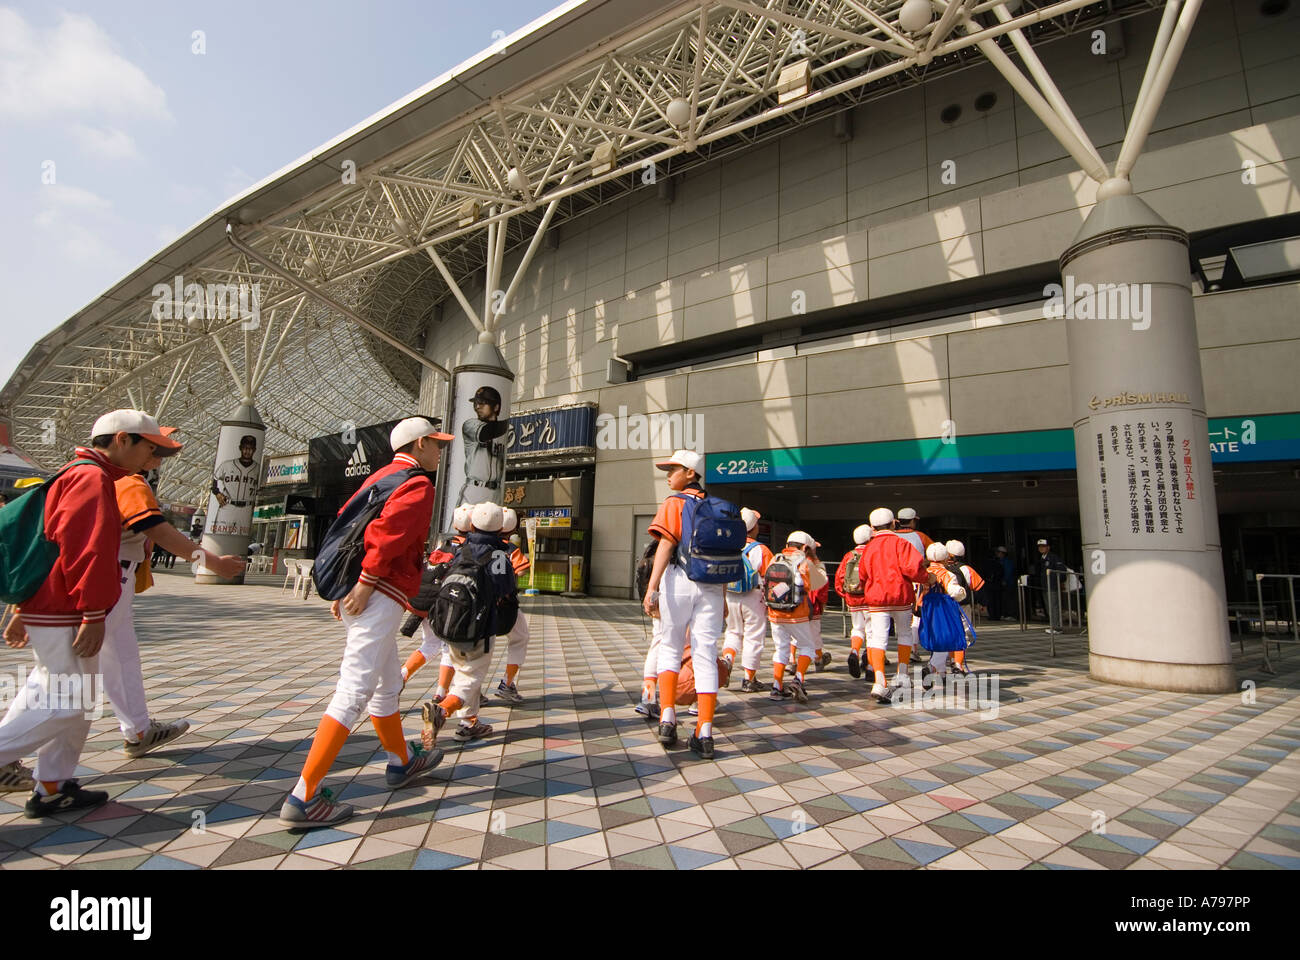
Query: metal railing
[(1290, 579), (1065, 587)]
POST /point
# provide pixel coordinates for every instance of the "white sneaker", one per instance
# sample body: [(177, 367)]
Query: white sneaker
[(157, 735), (15, 778), (880, 693)]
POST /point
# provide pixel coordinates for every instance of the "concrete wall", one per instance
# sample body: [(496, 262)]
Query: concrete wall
[(808, 221), (989, 372)]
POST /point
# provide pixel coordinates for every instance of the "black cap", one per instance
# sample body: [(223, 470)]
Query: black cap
[(488, 395)]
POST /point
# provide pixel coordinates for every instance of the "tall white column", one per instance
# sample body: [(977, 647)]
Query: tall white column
[(236, 479), (1156, 603), (473, 468)]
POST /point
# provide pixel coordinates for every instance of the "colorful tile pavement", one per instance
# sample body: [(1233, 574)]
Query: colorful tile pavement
[(1064, 774)]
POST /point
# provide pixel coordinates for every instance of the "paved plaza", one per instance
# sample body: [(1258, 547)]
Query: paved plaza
[(1067, 774)]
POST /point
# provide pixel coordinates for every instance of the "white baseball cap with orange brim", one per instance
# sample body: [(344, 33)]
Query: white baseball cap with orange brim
[(139, 423)]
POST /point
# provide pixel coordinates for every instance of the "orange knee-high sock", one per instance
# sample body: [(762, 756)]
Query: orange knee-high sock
[(390, 733), (648, 687), (750, 675), (512, 671), (707, 703), (904, 657), (51, 787), (801, 667), (877, 660), (668, 690), (413, 663), (959, 656), (445, 675), (325, 746), (778, 674), (729, 653), (451, 703), (855, 643)]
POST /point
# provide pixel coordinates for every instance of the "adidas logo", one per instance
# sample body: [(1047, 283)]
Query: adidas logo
[(358, 465)]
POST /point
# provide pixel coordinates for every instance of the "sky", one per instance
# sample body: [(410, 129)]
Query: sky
[(125, 122)]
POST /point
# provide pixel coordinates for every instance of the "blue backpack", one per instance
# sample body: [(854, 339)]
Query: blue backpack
[(943, 624), (750, 579), (343, 548), (713, 536)]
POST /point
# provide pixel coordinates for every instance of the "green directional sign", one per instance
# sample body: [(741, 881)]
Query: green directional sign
[(1232, 440)]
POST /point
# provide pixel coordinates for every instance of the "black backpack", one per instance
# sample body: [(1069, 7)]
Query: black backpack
[(422, 602), (343, 548), (954, 567), (644, 566), (463, 613)]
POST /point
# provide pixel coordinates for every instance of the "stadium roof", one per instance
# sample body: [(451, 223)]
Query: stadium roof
[(394, 216)]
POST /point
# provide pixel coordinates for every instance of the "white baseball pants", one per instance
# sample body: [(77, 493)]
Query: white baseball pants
[(651, 668), (51, 715), (815, 629), (119, 660), (431, 646), (517, 641), (746, 627), (878, 638), (370, 676), (699, 607), (471, 670), (861, 624), (786, 634)]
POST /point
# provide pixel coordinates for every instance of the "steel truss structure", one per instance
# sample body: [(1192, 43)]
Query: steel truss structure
[(426, 228)]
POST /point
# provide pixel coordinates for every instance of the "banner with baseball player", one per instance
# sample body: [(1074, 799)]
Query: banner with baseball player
[(475, 468), (236, 478), (235, 481)]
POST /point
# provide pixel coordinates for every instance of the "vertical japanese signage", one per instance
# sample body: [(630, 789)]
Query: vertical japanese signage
[(1149, 478)]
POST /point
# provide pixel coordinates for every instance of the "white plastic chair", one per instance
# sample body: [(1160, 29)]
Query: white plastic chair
[(290, 570), (304, 575)]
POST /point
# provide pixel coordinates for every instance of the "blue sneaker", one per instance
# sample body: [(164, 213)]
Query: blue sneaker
[(319, 811), (422, 761)]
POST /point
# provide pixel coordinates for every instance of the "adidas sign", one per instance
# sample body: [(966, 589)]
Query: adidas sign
[(358, 465)]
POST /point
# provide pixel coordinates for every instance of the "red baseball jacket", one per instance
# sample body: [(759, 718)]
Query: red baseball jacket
[(81, 516), (395, 539), (889, 567)]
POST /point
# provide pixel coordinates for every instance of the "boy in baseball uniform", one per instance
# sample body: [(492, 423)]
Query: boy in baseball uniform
[(472, 664), (517, 638), (853, 598), (746, 616), (143, 522), (791, 632), (890, 569), (685, 607), (974, 583), (63, 621), (431, 645), (370, 677)]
